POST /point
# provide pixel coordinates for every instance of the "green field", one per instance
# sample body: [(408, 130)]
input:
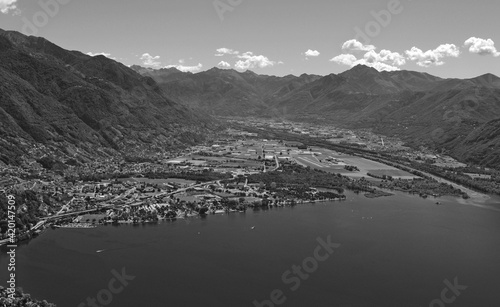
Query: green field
[(365, 166), (394, 173)]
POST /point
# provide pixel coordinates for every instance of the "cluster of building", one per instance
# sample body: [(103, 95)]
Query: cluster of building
[(174, 188), (363, 138)]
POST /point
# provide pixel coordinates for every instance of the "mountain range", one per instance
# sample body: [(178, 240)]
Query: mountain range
[(225, 92), (69, 104), (457, 116)]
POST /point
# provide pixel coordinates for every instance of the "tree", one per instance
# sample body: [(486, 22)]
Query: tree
[(232, 204)]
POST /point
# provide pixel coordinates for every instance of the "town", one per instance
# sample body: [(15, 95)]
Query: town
[(238, 171)]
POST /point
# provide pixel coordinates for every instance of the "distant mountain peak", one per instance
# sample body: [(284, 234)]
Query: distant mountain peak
[(489, 76), (487, 80), (361, 71), (363, 68), (214, 69), (170, 69), (249, 72)]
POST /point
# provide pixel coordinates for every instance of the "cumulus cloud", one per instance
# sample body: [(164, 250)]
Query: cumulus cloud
[(482, 46), (108, 55), (432, 57), (185, 68), (344, 59), (8, 5), (380, 66), (355, 45), (149, 60), (224, 51), (223, 64), (386, 56), (246, 60), (384, 60), (249, 60), (312, 53)]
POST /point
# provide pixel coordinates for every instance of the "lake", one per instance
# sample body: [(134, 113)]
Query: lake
[(394, 251)]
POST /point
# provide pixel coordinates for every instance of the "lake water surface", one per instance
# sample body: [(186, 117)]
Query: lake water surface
[(394, 251)]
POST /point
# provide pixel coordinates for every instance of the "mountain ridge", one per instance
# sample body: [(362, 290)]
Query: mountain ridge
[(75, 102), (408, 104), (69, 103)]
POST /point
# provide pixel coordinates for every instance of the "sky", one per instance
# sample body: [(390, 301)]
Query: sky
[(445, 38)]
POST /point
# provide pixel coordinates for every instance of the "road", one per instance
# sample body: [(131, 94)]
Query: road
[(277, 162)]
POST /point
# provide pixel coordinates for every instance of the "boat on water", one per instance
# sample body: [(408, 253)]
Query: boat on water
[(217, 210), (191, 214)]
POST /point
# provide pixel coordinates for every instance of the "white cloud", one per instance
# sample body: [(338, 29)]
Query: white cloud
[(344, 59), (108, 55), (149, 60), (482, 46), (184, 68), (356, 46), (432, 57), (8, 5), (223, 64), (224, 51), (385, 60), (312, 53), (380, 66), (385, 56), (390, 61), (249, 60)]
